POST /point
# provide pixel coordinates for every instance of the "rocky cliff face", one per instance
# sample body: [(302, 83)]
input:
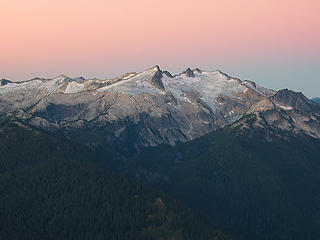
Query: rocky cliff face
[(151, 107), (284, 112)]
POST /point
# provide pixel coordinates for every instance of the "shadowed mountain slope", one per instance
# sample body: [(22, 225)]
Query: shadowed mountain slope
[(53, 189)]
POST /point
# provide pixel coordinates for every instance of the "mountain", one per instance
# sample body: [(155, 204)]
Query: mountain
[(151, 107), (256, 178), (250, 179), (54, 189), (317, 100), (289, 111), (242, 156)]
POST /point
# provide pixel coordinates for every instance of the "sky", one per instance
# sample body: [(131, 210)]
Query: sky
[(275, 43)]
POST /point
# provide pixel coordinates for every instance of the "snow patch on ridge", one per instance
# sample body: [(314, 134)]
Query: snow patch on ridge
[(50, 86), (257, 88), (208, 84), (286, 108), (129, 76), (134, 85), (74, 87)]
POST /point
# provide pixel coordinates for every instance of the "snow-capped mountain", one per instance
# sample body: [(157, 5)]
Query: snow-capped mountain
[(149, 108)]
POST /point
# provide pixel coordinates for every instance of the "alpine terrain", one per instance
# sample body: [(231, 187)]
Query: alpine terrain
[(236, 156)]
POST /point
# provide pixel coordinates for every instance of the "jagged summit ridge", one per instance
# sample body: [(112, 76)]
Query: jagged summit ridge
[(4, 82), (154, 76), (154, 106), (189, 73)]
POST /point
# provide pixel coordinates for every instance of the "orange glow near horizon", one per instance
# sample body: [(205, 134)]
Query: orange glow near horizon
[(113, 36)]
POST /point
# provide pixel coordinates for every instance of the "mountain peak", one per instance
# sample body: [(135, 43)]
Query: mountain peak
[(156, 77), (294, 99), (155, 68), (4, 82), (289, 95), (189, 73)]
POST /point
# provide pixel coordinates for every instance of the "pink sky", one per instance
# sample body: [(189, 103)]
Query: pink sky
[(104, 38)]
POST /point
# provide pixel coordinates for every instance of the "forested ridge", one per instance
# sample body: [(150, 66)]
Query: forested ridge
[(54, 189), (255, 184)]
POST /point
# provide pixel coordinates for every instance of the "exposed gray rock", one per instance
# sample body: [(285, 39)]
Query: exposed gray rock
[(294, 99), (167, 73), (155, 79), (152, 107), (189, 73), (288, 111), (4, 82)]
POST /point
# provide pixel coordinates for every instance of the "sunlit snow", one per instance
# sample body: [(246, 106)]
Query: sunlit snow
[(286, 108), (74, 87), (208, 84)]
